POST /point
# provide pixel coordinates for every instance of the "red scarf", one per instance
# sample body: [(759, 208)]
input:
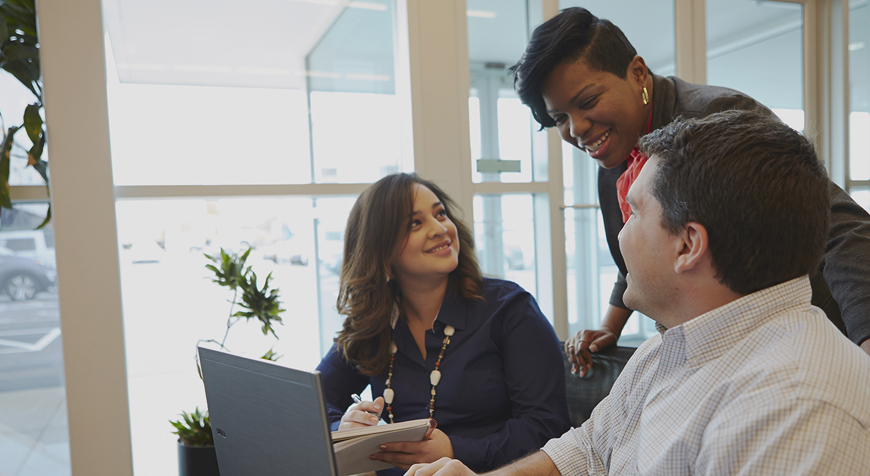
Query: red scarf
[(634, 162)]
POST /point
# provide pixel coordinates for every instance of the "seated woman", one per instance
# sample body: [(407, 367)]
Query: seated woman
[(435, 339)]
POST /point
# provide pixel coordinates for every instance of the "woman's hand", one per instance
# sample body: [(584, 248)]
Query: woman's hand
[(579, 348), (403, 454), (362, 414)]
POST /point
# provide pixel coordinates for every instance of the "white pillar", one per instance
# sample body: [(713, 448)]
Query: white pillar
[(72, 54)]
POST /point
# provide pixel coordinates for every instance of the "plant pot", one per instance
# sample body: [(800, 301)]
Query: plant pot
[(197, 461)]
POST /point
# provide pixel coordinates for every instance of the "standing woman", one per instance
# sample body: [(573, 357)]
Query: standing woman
[(581, 75), (427, 332)]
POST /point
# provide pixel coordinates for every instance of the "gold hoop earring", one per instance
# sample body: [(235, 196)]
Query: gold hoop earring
[(645, 96)]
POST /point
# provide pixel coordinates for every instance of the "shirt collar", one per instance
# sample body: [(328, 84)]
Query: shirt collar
[(453, 312), (710, 335)]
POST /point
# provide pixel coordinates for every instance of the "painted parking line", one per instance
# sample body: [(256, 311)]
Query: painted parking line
[(48, 336)]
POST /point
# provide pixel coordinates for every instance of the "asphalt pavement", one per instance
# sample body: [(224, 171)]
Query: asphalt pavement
[(31, 353)]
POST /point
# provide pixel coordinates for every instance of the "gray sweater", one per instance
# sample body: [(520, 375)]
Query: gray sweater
[(842, 285)]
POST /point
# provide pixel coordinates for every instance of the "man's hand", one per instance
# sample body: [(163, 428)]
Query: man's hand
[(442, 467), (403, 454)]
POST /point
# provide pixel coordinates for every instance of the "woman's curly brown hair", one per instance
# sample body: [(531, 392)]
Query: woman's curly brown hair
[(377, 224)]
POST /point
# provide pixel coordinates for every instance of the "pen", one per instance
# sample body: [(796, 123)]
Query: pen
[(356, 398)]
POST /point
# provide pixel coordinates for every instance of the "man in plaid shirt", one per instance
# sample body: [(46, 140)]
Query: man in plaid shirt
[(728, 220)]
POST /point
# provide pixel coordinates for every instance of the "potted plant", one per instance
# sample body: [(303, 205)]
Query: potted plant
[(196, 453), (19, 56)]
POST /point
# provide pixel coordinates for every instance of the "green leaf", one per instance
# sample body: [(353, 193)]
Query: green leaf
[(232, 269), (33, 126), (4, 31), (271, 355), (262, 304), (194, 429), (21, 51), (5, 148), (47, 218)]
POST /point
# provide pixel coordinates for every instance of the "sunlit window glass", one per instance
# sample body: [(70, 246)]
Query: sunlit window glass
[(505, 238), (172, 303), (34, 434), (757, 49), (859, 91)]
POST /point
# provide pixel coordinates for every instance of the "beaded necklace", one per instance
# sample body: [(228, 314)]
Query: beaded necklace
[(434, 377)]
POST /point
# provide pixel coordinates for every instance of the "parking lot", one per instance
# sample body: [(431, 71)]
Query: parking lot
[(30, 344)]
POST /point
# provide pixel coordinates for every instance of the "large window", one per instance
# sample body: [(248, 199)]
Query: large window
[(505, 149), (757, 49), (33, 418), (273, 145), (229, 131)]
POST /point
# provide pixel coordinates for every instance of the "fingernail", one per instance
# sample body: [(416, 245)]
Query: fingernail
[(374, 419), (377, 407), (372, 457), (382, 447)]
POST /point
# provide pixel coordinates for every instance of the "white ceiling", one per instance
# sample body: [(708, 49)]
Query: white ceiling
[(256, 43), (752, 45)]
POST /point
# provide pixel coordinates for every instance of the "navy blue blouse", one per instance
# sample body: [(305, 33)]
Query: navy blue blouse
[(502, 389)]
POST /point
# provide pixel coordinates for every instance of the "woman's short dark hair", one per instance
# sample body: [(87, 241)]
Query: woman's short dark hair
[(367, 294), (757, 187), (571, 35)]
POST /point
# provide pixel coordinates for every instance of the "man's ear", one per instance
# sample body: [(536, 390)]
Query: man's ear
[(692, 247), (637, 71)]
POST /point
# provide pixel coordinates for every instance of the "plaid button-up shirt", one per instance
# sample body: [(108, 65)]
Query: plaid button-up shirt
[(763, 385)]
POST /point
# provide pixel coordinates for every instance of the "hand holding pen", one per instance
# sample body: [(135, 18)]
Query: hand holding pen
[(377, 406), (362, 413)]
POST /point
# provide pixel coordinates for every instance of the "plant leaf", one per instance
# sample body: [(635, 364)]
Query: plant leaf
[(47, 217), (33, 126), (5, 148)]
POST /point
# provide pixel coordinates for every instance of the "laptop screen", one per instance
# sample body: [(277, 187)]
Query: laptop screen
[(266, 419)]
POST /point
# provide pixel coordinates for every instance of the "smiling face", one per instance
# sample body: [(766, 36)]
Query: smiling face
[(431, 248), (648, 248), (598, 112)]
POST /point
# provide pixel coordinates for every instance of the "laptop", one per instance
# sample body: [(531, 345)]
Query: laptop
[(266, 419)]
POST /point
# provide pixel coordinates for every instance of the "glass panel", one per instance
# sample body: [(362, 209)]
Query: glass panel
[(330, 224), (649, 26), (859, 91), (587, 298), (497, 37), (514, 135), (170, 302), (360, 125), (757, 49), (862, 196), (205, 135), (34, 434), (504, 236)]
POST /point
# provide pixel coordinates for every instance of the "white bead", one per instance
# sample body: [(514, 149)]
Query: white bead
[(449, 330), (393, 348), (388, 396), (435, 377)]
